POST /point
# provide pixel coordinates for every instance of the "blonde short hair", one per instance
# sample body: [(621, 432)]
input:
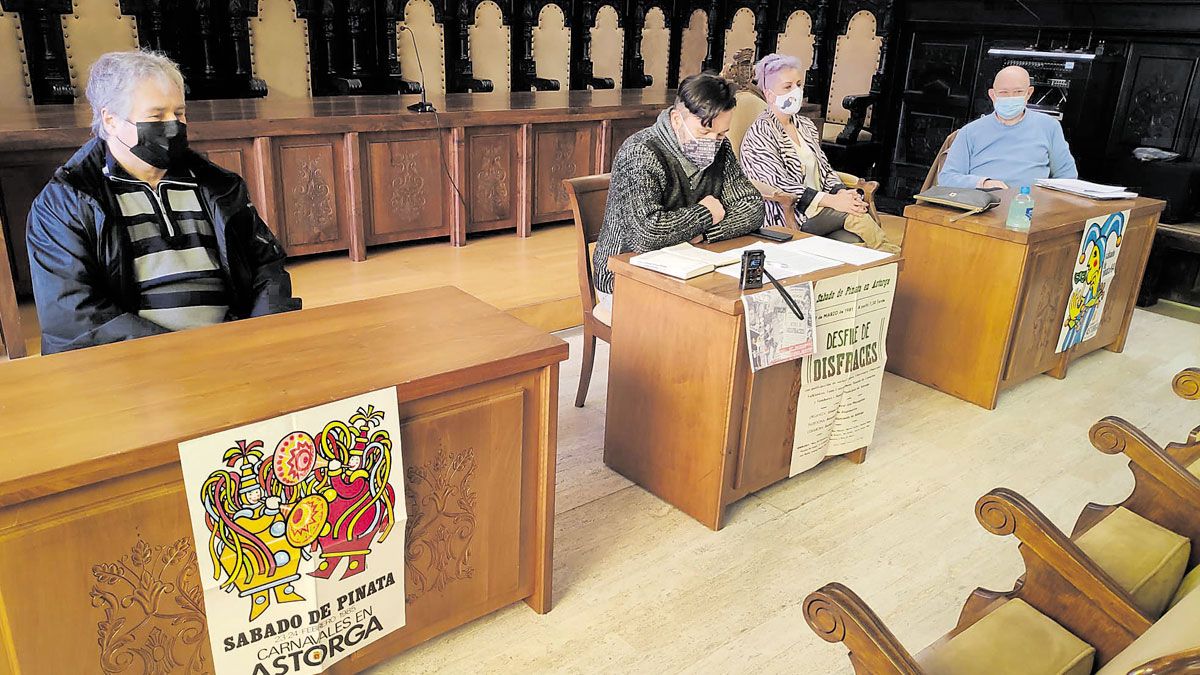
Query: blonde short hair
[(114, 76)]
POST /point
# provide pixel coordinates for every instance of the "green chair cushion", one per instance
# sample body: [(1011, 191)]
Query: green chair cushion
[(1144, 558), (1013, 639), (1190, 583)]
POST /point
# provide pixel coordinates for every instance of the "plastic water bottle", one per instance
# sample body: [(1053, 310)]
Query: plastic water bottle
[(1020, 212)]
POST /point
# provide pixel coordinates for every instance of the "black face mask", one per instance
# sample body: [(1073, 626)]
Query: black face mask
[(160, 143)]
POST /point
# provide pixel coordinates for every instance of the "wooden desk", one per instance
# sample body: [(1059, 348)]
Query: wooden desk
[(348, 173), (979, 307), (91, 469), (687, 419)]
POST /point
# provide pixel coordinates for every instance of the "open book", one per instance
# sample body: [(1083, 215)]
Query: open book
[(684, 261), (1084, 188)]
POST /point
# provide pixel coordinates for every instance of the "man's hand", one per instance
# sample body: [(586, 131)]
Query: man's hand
[(988, 183), (846, 201), (714, 207)]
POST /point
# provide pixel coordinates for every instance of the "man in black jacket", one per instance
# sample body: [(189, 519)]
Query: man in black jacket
[(136, 234)]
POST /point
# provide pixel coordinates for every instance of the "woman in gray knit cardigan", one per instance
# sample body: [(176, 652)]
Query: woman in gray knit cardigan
[(677, 180)]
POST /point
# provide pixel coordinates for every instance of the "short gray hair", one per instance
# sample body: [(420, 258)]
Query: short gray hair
[(773, 63), (114, 76)]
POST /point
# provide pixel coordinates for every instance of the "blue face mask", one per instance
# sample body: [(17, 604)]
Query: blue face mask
[(1010, 107)]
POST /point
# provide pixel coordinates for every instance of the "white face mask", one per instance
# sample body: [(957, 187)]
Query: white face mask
[(790, 102)]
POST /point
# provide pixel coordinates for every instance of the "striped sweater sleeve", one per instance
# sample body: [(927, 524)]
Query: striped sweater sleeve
[(637, 193)]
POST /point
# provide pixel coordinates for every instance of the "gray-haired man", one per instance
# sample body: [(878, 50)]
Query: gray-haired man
[(136, 234)]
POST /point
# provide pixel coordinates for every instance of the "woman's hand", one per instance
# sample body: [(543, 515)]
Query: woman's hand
[(846, 201)]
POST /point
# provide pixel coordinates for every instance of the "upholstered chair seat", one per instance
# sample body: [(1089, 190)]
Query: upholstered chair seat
[(1174, 632), (1144, 558), (1013, 639)]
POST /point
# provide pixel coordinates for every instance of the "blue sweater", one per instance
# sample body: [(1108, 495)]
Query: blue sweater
[(1018, 155)]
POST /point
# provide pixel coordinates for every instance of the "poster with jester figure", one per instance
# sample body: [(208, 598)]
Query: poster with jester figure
[(1095, 267), (299, 524)]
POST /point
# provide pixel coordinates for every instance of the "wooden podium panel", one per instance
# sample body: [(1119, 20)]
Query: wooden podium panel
[(95, 538), (980, 307), (687, 419)]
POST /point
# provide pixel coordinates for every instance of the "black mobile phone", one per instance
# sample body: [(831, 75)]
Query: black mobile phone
[(772, 235), (752, 269)]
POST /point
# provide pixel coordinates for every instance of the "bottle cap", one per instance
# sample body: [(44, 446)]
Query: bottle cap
[(1025, 189)]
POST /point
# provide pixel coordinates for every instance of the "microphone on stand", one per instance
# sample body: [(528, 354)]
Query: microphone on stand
[(424, 106)]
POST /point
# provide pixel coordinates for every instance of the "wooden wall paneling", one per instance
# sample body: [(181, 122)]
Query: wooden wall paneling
[(313, 207), (353, 213), (525, 180), (425, 28), (550, 41), (14, 66), (694, 42), (279, 43), (94, 28), (238, 155), (492, 187), (618, 131), (456, 183), (405, 196), (608, 45), (266, 198), (490, 39), (560, 151), (656, 46), (1159, 98), (23, 175)]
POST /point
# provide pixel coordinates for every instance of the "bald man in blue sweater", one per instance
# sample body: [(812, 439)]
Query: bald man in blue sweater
[(1010, 147)]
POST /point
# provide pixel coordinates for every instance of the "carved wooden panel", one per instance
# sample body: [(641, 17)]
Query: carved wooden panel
[(308, 173), (23, 175), (1159, 102), (742, 34), (656, 45), (608, 45), (405, 200), (552, 45), (854, 64), (797, 38), (922, 135), (492, 181), (940, 65), (619, 131), (559, 151), (237, 155), (491, 46), (14, 67), (431, 39), (95, 27), (455, 460), (279, 43), (694, 45), (1040, 312)]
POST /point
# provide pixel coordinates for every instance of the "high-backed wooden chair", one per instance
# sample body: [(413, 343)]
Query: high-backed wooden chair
[(1186, 384), (10, 315), (94, 28), (430, 36), (490, 39), (608, 45), (14, 68), (589, 196), (656, 46), (552, 45), (742, 32), (694, 43), (797, 40), (280, 43)]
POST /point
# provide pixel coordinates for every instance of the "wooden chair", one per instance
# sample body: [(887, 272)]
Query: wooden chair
[(938, 162), (1186, 384), (588, 196), (10, 314)]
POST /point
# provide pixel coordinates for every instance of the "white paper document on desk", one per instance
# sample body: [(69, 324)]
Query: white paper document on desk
[(781, 262), (835, 250), (1085, 188)]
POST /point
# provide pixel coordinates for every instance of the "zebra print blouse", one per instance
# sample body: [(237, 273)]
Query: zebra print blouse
[(769, 156)]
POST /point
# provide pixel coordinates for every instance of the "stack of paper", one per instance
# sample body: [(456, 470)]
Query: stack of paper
[(835, 250), (684, 261), (782, 262), (1084, 188)]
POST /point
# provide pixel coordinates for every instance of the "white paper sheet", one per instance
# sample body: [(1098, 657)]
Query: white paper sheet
[(781, 262), (835, 250)]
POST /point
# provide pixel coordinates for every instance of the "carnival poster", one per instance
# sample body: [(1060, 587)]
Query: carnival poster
[(299, 524), (774, 334), (841, 382), (1095, 267)]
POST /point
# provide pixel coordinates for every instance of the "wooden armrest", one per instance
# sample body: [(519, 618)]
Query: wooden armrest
[(836, 614), (1061, 581), (1187, 661), (1187, 384), (1163, 490), (784, 199)]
